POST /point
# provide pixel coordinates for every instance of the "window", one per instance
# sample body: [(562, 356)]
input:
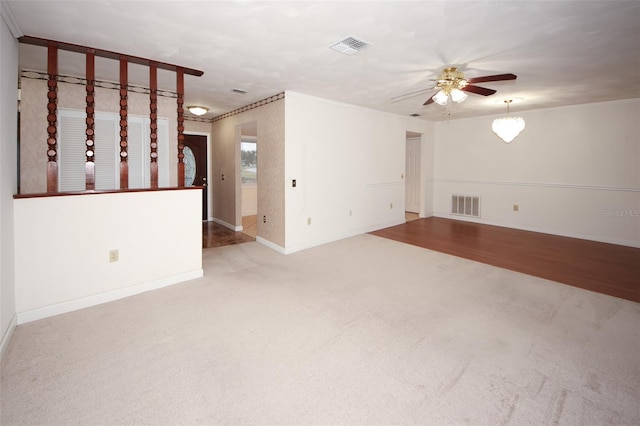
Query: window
[(71, 151), (248, 161)]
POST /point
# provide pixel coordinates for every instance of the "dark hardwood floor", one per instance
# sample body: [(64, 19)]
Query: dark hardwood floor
[(605, 268), (215, 235)]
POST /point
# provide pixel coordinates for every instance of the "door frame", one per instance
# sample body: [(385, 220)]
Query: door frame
[(421, 183), (209, 186), (239, 190)]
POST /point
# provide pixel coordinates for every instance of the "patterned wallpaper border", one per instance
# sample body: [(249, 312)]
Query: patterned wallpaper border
[(249, 107), (39, 75)]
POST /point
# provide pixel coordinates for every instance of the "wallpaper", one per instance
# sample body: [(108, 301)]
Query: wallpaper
[(225, 153), (226, 160), (33, 124)]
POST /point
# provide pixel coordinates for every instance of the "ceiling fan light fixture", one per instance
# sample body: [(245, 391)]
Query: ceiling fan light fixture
[(441, 98), (508, 128), (197, 110), (458, 96)]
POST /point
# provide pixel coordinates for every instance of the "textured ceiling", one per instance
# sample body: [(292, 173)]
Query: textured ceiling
[(563, 52)]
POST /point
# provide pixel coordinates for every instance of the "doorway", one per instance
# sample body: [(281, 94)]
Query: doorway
[(412, 176), (195, 166), (249, 177)]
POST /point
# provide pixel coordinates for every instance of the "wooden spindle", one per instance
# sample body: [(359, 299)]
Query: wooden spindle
[(90, 176), (91, 53), (52, 118), (153, 125), (180, 91), (124, 165)]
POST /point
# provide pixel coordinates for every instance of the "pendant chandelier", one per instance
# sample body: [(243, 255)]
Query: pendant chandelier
[(507, 128)]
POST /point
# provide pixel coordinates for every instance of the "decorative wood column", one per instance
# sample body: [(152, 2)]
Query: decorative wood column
[(124, 165), (153, 125), (52, 95), (180, 91), (52, 118), (90, 172)]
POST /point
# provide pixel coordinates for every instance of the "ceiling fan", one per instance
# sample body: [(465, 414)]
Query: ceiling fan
[(452, 84)]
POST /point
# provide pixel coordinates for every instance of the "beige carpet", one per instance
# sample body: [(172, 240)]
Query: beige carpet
[(364, 331)]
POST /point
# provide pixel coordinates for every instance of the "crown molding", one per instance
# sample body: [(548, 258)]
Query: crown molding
[(9, 18)]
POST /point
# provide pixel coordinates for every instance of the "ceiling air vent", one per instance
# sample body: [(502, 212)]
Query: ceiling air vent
[(241, 91), (350, 45)]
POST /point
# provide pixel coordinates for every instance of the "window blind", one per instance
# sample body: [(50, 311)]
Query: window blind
[(71, 152)]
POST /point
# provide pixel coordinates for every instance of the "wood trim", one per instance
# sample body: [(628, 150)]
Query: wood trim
[(106, 54), (180, 101), (90, 176), (153, 125), (65, 194), (52, 66), (124, 165), (52, 118)]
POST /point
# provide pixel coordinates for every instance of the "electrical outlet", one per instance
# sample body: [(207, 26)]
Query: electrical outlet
[(308, 221), (264, 219), (293, 183), (516, 208), (113, 256)]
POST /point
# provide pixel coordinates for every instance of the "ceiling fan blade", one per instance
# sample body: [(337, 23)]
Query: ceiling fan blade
[(429, 101), (478, 90), (409, 95), (498, 77)]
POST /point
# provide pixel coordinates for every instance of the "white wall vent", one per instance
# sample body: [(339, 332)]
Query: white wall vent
[(465, 205), (349, 45)]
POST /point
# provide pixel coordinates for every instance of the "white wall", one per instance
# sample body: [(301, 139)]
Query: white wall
[(348, 163), (8, 177), (62, 246), (573, 171)]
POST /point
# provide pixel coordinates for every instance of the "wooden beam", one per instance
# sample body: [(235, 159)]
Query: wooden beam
[(107, 54)]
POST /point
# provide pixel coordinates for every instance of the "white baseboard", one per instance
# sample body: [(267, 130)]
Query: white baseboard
[(227, 225), (6, 337), (98, 299), (337, 237), (271, 245)]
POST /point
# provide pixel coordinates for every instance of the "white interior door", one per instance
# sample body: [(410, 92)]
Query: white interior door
[(412, 176)]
